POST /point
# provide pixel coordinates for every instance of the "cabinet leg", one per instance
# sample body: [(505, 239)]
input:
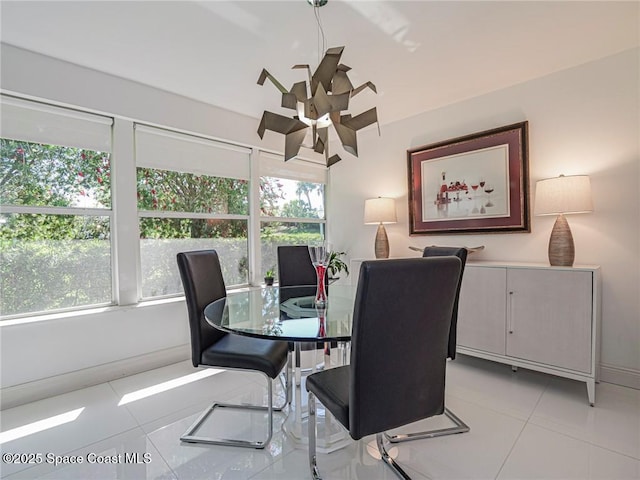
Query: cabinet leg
[(514, 368), (591, 392)]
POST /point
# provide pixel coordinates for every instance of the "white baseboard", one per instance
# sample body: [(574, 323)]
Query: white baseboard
[(67, 382), (626, 377)]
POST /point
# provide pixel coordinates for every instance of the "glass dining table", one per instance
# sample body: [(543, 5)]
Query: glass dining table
[(290, 314)]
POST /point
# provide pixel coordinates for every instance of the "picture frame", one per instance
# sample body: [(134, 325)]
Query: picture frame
[(476, 183)]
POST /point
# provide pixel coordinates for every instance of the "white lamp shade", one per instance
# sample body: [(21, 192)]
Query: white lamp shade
[(562, 194), (380, 210)]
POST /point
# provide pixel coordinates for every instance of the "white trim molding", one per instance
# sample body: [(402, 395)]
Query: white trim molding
[(68, 382), (626, 377)]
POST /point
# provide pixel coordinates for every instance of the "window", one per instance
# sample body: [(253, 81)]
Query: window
[(291, 205), (59, 245), (193, 194), (55, 201)]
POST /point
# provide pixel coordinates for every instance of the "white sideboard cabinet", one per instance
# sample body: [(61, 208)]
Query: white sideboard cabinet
[(533, 316)]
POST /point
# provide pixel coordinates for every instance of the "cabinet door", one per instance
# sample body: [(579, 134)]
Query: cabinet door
[(482, 309), (549, 317)]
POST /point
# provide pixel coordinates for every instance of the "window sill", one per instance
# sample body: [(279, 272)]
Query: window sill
[(43, 317)]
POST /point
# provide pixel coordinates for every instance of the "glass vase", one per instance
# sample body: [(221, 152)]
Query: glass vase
[(321, 288), (319, 255)]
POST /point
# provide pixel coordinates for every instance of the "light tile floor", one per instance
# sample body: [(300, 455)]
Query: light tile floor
[(524, 425)]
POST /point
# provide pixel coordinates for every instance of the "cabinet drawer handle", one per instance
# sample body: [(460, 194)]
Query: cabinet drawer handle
[(511, 312)]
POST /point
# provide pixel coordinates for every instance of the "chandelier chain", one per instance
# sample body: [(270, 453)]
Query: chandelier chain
[(322, 46)]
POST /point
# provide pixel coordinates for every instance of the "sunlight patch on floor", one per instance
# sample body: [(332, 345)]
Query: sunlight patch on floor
[(168, 385)]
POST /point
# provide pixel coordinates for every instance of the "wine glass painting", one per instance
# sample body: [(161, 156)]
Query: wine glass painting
[(476, 183)]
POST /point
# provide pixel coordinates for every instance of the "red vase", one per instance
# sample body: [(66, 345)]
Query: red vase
[(321, 290)]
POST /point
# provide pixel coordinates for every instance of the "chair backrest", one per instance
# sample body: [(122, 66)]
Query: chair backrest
[(294, 266), (461, 253), (401, 320), (203, 283)]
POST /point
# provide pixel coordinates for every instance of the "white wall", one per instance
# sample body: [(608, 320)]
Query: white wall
[(47, 78), (52, 355), (584, 120)]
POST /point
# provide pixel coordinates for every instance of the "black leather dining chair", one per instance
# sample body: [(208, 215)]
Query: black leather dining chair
[(203, 283), (458, 425), (295, 269), (294, 266), (401, 319), (461, 253)]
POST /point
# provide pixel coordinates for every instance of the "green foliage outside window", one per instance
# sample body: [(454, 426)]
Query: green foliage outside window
[(56, 261), (52, 261), (49, 175), (52, 175), (169, 191)]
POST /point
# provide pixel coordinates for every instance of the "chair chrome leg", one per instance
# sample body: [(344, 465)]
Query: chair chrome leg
[(388, 460), (315, 474), (286, 385), (460, 427), (289, 378), (190, 437), (298, 363)]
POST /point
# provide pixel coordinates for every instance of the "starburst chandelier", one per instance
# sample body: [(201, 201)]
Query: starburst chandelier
[(319, 105)]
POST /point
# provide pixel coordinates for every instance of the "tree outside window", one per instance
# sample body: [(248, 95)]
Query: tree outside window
[(54, 227)]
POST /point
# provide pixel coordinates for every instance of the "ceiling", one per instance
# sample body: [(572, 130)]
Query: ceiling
[(421, 55)]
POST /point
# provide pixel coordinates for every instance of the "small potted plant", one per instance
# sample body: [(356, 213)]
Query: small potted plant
[(336, 265), (269, 277)]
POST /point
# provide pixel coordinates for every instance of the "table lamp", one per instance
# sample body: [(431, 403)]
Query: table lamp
[(558, 196), (380, 210)]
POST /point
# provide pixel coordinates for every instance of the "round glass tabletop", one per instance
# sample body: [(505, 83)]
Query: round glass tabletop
[(288, 313)]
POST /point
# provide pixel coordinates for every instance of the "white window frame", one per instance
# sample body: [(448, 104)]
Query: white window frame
[(124, 216), (38, 122), (268, 164), (155, 157)]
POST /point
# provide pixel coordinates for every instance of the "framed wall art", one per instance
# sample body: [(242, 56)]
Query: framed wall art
[(478, 183)]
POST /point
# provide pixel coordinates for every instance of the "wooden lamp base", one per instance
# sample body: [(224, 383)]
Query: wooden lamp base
[(382, 243), (561, 248)]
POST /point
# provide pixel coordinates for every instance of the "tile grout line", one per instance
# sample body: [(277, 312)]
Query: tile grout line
[(87, 446), (174, 473), (271, 464), (146, 435), (125, 406), (141, 425), (229, 393), (526, 422), (70, 452), (588, 442), (575, 437)]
